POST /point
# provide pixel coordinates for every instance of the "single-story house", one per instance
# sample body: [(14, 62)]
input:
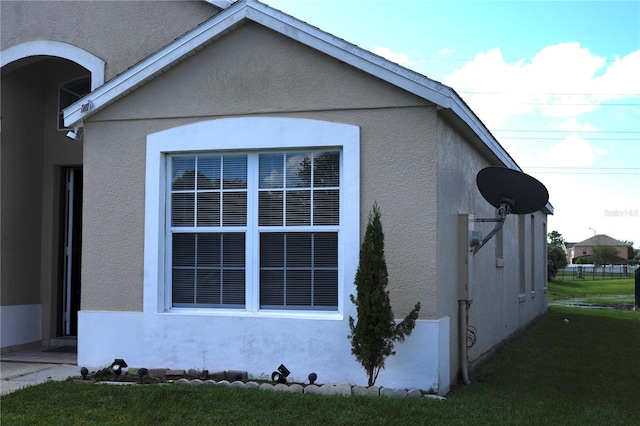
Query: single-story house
[(186, 184)]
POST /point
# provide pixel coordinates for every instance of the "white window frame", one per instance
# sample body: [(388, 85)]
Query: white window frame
[(243, 134)]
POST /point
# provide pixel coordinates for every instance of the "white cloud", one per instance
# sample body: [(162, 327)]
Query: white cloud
[(562, 80), (572, 125), (446, 51), (572, 151), (397, 57)]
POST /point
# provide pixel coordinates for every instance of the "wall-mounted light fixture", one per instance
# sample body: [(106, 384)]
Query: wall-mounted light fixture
[(75, 134)]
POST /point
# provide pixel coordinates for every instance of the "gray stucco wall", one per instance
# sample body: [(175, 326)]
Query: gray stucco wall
[(255, 71), (499, 306), (136, 29), (22, 112)]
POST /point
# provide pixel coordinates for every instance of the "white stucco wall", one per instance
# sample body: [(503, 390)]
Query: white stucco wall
[(259, 346), (20, 324)]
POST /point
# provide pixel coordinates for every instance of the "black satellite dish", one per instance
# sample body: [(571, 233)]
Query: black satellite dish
[(523, 193), (510, 191)]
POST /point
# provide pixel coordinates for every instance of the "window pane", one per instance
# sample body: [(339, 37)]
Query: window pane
[(271, 250), (298, 208), (233, 250), (184, 250), (184, 170), (271, 171), (325, 288), (208, 288), (233, 287), (325, 250), (183, 285), (182, 209), (235, 171), (234, 211), (271, 288), (270, 209), (298, 249), (208, 172), (208, 209), (299, 270), (326, 169), (298, 288), (209, 250), (299, 170), (208, 270), (326, 207)]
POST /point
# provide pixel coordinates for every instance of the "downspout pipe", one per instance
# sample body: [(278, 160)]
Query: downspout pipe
[(463, 312)]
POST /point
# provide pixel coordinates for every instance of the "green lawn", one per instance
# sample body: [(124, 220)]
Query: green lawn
[(567, 289), (583, 372)]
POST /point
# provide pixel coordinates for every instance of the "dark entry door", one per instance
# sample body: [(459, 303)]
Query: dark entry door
[(71, 247)]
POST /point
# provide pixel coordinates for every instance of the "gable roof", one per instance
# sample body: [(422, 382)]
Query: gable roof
[(448, 101), (601, 240)]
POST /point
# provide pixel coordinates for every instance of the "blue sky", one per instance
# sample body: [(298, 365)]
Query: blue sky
[(556, 82)]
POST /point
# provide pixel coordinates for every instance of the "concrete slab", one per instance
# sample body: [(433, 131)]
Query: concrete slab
[(17, 375)]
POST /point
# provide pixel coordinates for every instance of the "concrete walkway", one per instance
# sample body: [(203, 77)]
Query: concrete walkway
[(17, 375)]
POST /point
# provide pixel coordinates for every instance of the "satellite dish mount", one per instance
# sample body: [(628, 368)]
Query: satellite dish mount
[(510, 191)]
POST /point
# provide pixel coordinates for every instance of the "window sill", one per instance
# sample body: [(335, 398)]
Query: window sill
[(298, 315), (522, 298), (499, 263), (533, 294)]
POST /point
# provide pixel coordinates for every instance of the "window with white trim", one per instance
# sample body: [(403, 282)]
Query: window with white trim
[(261, 221)]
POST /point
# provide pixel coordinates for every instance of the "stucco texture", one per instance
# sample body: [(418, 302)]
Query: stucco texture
[(254, 71), (136, 28), (499, 306)]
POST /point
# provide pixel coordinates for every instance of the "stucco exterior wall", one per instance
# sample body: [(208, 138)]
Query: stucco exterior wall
[(79, 23), (509, 275), (22, 109), (255, 71)]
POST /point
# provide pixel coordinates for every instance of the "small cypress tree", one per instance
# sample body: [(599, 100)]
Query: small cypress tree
[(373, 336)]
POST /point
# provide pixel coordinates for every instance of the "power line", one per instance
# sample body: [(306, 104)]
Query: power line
[(473, 92), (637, 139), (565, 131)]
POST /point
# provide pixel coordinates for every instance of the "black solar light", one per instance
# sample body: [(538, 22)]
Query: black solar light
[(281, 375), (312, 378), (84, 373), (117, 365), (141, 373)]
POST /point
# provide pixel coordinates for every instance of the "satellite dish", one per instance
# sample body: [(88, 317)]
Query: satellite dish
[(522, 193), (510, 191)]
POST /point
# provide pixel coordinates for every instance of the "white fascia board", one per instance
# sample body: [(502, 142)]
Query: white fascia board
[(349, 53), (152, 65), (466, 114), (462, 110), (222, 4), (270, 18)]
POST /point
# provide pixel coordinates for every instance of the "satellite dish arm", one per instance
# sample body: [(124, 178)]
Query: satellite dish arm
[(505, 208)]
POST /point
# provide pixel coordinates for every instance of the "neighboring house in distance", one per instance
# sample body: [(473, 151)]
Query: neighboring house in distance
[(210, 210), (583, 249)]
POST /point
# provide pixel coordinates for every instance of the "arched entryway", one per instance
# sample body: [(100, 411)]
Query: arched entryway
[(41, 191)]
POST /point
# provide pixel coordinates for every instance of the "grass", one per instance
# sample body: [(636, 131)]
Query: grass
[(567, 289), (583, 372)]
